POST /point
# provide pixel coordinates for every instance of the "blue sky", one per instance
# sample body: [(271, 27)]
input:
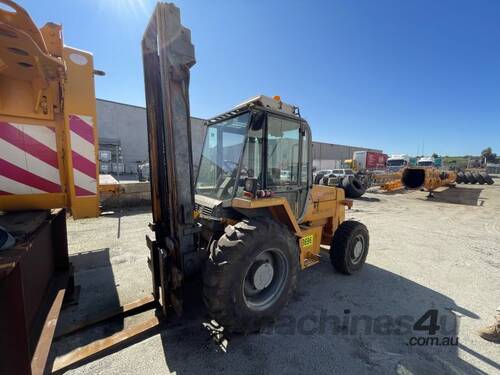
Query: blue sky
[(393, 75)]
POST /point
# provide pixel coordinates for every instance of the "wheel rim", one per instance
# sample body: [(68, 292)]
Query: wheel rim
[(358, 249), (265, 279)]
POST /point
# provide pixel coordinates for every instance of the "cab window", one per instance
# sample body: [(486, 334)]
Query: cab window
[(282, 152), (252, 156)]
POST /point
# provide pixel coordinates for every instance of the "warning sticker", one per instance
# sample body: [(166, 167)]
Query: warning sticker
[(307, 241)]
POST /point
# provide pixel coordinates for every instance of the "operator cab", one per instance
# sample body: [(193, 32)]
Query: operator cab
[(263, 141)]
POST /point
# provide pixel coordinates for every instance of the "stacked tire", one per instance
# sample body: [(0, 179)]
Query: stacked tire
[(480, 178), (352, 185), (470, 178), (487, 178)]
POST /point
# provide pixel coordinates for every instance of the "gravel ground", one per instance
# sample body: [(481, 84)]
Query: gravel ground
[(440, 254)]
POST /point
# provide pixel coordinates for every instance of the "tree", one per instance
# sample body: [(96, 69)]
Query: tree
[(488, 155), (434, 155)]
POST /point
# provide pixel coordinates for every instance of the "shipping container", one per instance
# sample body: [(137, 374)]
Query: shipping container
[(370, 160)]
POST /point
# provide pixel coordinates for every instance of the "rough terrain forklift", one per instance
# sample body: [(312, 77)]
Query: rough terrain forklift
[(252, 218)]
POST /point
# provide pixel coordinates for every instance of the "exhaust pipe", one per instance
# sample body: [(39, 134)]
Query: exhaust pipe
[(427, 178)]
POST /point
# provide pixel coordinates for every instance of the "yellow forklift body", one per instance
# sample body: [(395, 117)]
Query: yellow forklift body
[(325, 211)]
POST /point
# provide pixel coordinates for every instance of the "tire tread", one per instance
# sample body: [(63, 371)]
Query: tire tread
[(225, 259), (341, 240)]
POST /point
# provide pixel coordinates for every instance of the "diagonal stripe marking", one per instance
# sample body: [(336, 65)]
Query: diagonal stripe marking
[(82, 192), (16, 188), (85, 182), (25, 161), (23, 141), (40, 133), (20, 175), (82, 147), (80, 127), (84, 165)]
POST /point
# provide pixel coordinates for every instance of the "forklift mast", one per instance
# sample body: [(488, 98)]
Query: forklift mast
[(167, 57)]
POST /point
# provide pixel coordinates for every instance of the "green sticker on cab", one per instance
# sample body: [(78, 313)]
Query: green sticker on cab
[(307, 241)]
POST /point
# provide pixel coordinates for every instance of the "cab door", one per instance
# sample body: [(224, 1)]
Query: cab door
[(284, 174), (305, 183)]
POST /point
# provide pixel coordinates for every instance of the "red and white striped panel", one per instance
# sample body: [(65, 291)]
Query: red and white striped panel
[(83, 155), (28, 159)]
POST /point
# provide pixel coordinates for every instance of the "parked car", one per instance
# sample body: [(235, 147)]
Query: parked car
[(343, 172), (317, 177)]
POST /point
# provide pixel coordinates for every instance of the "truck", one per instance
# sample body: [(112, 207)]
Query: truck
[(369, 160), (397, 162), (426, 162)]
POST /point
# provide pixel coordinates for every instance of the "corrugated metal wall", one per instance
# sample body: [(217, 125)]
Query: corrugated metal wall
[(329, 151), (125, 126)]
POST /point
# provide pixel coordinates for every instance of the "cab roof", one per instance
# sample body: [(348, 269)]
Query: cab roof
[(272, 104)]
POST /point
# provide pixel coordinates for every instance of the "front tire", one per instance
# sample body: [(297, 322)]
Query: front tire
[(251, 274), (349, 247)]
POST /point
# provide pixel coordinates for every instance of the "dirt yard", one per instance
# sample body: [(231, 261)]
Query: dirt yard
[(440, 254)]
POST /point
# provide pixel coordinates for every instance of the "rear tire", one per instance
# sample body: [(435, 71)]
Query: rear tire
[(251, 274), (460, 177), (349, 247)]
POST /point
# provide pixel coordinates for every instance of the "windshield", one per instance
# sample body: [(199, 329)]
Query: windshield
[(395, 162), (220, 157), (425, 163)]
